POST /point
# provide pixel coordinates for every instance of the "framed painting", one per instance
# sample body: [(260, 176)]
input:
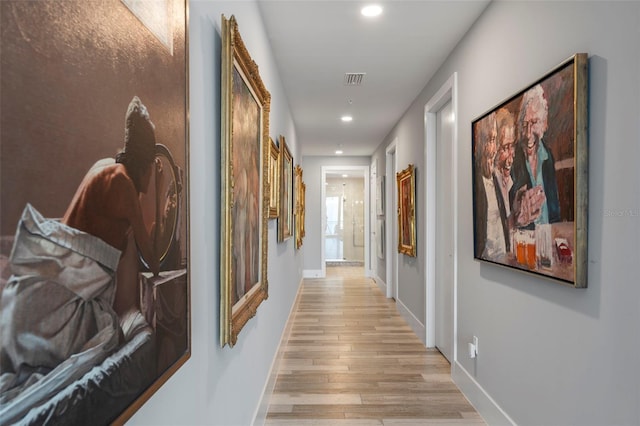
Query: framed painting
[(300, 189), (530, 177), (245, 185), (406, 180), (99, 346), (274, 180), (380, 195), (285, 218)]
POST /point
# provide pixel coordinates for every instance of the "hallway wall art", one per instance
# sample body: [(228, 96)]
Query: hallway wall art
[(274, 180), (300, 191), (94, 180), (244, 185), (406, 180), (285, 217), (530, 177)]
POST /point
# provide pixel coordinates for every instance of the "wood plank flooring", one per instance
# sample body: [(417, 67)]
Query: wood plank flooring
[(352, 360)]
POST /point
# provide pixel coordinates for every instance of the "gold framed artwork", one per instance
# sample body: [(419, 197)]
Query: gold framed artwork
[(300, 189), (530, 177), (285, 218), (274, 180), (245, 191), (95, 301), (406, 180)]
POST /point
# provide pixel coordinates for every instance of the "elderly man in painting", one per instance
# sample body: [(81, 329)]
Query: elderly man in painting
[(62, 307), (491, 220), (504, 158)]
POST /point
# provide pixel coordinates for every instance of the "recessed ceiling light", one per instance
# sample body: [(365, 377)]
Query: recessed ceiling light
[(371, 10), (338, 151), (344, 176), (347, 118)]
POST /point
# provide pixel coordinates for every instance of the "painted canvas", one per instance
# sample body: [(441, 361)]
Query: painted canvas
[(94, 233), (285, 218), (406, 180), (530, 177), (244, 185)]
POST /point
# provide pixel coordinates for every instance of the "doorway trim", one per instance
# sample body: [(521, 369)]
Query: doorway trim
[(446, 93), (364, 170), (391, 224)]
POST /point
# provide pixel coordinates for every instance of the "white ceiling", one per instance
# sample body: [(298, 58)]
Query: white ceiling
[(315, 42)]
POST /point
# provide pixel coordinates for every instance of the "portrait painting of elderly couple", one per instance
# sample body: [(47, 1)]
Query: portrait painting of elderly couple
[(529, 177)]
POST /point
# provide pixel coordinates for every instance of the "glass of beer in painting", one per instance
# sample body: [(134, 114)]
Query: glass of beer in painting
[(521, 247), (531, 249)]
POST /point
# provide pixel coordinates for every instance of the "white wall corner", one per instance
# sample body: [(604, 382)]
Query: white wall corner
[(414, 322), (381, 284), (260, 416), (313, 273), (490, 411)]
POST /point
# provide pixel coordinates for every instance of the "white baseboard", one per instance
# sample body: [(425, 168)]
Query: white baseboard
[(414, 322), (312, 273), (260, 416), (381, 284), (479, 398)]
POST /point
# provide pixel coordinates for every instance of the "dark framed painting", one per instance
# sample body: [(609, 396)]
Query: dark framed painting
[(300, 194), (285, 218), (94, 210), (245, 185), (530, 177), (406, 180), (274, 180)]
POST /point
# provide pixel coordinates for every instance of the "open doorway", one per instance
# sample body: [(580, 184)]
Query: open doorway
[(345, 226)]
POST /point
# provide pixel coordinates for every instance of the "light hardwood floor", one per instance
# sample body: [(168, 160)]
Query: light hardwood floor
[(352, 360)]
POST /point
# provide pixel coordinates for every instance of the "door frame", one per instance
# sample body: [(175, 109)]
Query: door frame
[(447, 92), (373, 241), (391, 222), (364, 171)]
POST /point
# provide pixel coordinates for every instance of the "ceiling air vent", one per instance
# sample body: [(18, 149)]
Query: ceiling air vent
[(353, 78)]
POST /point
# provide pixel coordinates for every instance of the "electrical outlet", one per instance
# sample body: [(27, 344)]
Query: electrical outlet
[(475, 343)]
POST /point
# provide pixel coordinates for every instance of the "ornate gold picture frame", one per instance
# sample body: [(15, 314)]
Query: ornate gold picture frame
[(530, 177), (300, 189), (274, 180), (285, 218), (406, 180), (245, 191)]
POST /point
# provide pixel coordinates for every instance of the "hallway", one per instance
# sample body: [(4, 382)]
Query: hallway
[(351, 359)]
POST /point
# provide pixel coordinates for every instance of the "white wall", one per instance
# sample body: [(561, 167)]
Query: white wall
[(224, 386), (549, 354)]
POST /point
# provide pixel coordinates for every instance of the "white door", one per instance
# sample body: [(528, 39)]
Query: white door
[(391, 222), (373, 240), (444, 232)]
